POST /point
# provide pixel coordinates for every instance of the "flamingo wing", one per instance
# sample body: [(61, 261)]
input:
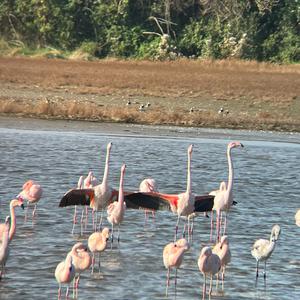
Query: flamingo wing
[(204, 203), (149, 200), (77, 197)]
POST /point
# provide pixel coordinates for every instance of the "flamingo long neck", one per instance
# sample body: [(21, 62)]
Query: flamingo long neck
[(121, 190), (106, 169), (13, 222), (189, 184), (66, 272), (230, 171), (5, 240)]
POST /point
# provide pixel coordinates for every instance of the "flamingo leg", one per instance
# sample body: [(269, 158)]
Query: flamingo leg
[(218, 226), (81, 222), (101, 219), (77, 285), (74, 219), (204, 287), (118, 235), (223, 277), (210, 284), (168, 281), (176, 228), (93, 218), (217, 282), (225, 222), (265, 269), (96, 221), (99, 262), (59, 292), (86, 216), (112, 236), (34, 211), (93, 262), (192, 230), (26, 212), (175, 282), (67, 292), (257, 263), (211, 225)]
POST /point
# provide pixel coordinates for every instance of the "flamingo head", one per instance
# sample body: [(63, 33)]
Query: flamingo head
[(78, 246), (183, 243), (123, 168), (275, 232), (105, 233), (206, 251), (7, 220), (232, 145), (190, 149), (109, 146), (224, 241), (17, 202)]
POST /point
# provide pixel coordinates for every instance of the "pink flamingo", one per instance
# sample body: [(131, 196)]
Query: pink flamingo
[(98, 197), (97, 243), (81, 261), (32, 192), (224, 197), (4, 246), (148, 185), (65, 273), (116, 210), (209, 264), (13, 226), (223, 251), (79, 186), (173, 256)]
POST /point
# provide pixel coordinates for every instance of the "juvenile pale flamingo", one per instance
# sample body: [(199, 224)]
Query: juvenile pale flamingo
[(97, 243), (4, 246), (297, 218), (116, 210), (32, 192), (224, 196), (81, 261), (13, 221), (263, 249), (209, 264), (148, 185), (65, 273), (223, 251), (173, 256)]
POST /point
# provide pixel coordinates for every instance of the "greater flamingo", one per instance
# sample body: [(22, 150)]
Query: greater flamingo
[(65, 273), (97, 243), (98, 197), (32, 192), (223, 251), (116, 210), (297, 218), (148, 185), (81, 261), (13, 221), (224, 196), (4, 246), (209, 264), (262, 249), (173, 256), (79, 187)]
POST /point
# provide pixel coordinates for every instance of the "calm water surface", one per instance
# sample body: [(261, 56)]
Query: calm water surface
[(266, 189)]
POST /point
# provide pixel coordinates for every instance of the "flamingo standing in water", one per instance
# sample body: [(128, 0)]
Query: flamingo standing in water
[(81, 261), (97, 243), (262, 249), (223, 251), (79, 187), (224, 196), (209, 264), (148, 185), (13, 221), (32, 192), (98, 197), (116, 210), (297, 218), (4, 246), (65, 273), (173, 256)]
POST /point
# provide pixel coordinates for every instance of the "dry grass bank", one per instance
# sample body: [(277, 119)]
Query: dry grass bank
[(256, 95)]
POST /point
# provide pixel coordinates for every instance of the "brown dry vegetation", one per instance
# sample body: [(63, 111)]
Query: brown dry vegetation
[(257, 95)]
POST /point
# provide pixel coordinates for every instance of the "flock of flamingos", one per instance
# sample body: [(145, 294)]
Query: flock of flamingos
[(100, 196)]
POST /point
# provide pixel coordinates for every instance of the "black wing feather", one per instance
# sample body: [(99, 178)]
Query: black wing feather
[(204, 203), (76, 197), (145, 200)]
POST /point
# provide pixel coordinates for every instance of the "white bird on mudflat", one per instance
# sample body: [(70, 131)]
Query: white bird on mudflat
[(263, 249), (297, 218)]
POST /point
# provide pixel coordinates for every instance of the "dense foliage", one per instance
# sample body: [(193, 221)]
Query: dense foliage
[(265, 30)]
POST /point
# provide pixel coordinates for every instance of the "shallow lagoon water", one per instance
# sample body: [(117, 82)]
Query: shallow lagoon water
[(266, 189)]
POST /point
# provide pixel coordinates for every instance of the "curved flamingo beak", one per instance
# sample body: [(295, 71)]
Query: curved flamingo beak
[(22, 205)]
